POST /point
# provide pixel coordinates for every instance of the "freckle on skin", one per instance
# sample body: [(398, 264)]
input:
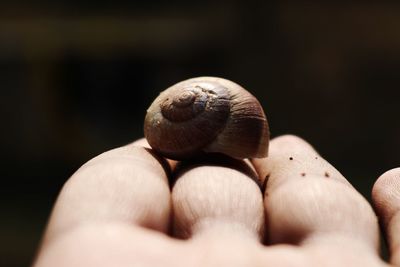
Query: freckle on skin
[(303, 174), (291, 158), (327, 174), (316, 157)]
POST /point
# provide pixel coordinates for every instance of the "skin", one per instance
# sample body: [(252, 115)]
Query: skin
[(130, 207)]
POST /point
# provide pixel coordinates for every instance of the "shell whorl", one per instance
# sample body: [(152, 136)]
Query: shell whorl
[(206, 114), (186, 103)]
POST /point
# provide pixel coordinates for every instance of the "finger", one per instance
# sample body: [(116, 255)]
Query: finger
[(127, 184), (308, 202), (386, 199), (217, 197)]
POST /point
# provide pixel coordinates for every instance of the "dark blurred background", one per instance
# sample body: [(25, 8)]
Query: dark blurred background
[(76, 78)]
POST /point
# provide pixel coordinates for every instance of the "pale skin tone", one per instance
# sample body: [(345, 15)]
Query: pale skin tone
[(290, 209)]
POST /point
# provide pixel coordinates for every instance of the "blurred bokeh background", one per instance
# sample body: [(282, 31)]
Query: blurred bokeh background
[(77, 76)]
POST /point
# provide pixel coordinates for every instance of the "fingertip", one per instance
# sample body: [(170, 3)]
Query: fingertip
[(118, 185), (386, 194), (386, 200), (217, 196), (305, 195)]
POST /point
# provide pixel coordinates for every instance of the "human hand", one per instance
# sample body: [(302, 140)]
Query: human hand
[(118, 210)]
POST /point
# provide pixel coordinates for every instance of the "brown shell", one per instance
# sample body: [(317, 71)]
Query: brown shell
[(207, 114)]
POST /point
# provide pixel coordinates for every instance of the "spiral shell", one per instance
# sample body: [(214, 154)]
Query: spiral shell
[(207, 114)]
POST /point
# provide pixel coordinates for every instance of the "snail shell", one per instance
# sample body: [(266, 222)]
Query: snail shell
[(207, 114)]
